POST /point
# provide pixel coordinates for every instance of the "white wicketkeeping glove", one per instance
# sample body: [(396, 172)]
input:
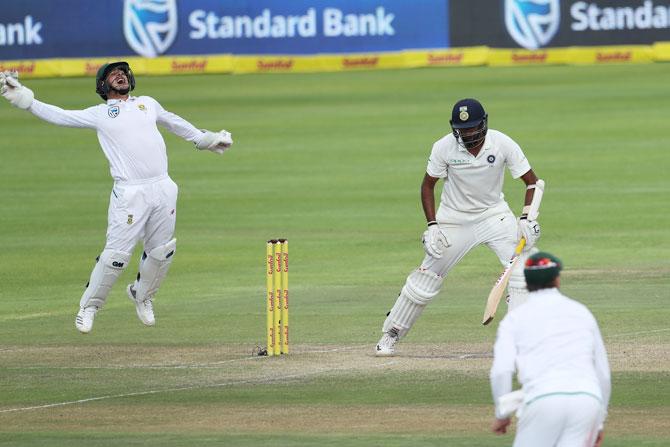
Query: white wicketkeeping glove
[(215, 141), (530, 230), (435, 240), (17, 94)]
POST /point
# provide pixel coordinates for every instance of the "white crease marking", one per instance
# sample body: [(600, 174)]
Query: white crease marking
[(192, 387)]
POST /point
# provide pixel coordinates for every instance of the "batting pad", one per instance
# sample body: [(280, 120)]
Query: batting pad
[(419, 290), (154, 269), (105, 273), (516, 289)]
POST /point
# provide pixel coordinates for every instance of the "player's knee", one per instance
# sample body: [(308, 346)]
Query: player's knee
[(422, 286), (154, 268), (164, 252), (114, 259), (110, 264)]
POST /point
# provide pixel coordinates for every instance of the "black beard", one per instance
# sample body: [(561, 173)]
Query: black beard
[(121, 91)]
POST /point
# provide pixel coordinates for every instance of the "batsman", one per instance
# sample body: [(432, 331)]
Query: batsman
[(143, 200), (471, 159)]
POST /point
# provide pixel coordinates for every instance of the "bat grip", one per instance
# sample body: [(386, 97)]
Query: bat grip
[(519, 247)]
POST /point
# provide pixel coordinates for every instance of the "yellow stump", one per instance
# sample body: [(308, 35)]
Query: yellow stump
[(276, 277), (270, 297), (284, 300)]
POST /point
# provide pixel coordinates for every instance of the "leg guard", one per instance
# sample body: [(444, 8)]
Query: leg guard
[(153, 268), (517, 293), (419, 290), (109, 266)]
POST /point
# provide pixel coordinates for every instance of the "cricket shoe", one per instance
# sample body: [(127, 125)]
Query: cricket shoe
[(386, 345), (145, 309), (84, 320)]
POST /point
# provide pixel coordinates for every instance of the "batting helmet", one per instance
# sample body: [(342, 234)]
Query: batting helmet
[(541, 269), (101, 86), (469, 114)]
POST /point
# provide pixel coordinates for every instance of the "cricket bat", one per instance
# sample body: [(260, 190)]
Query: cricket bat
[(498, 290)]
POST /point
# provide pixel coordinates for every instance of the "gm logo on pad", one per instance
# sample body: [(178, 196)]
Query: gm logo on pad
[(532, 23), (150, 26)]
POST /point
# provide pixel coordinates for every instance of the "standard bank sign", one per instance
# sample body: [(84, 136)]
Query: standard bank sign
[(150, 27), (532, 23)]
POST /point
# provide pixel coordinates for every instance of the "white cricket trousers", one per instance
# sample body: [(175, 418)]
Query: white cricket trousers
[(559, 420), (498, 232), (145, 210)]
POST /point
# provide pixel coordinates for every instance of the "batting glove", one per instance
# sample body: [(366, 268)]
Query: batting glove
[(529, 230), (215, 141), (435, 240), (12, 90)]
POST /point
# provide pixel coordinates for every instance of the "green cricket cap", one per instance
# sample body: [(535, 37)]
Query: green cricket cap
[(542, 268)]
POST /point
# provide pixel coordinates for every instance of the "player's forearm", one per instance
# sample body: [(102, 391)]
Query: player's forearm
[(428, 198), (530, 179), (55, 115), (179, 126), (602, 369), (501, 383)]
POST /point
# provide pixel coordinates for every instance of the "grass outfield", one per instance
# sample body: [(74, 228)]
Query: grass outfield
[(333, 162)]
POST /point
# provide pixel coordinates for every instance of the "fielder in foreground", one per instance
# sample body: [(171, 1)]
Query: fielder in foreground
[(144, 198), (471, 160), (554, 345)]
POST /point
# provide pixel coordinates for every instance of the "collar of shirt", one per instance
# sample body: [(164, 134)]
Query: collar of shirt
[(486, 147), (539, 294), (111, 102)]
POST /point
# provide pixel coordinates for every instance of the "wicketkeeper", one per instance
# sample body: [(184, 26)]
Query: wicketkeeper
[(471, 160), (554, 345), (143, 201)]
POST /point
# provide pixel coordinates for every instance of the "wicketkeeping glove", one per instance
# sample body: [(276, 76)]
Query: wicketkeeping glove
[(215, 141), (17, 94), (530, 230), (435, 240)]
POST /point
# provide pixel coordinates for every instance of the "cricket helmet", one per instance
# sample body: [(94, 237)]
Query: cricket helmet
[(101, 86), (468, 114), (541, 269)]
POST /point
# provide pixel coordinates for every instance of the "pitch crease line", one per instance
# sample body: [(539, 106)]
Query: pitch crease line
[(626, 334), (193, 387), (177, 366)]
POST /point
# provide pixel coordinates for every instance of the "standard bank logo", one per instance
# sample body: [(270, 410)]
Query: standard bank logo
[(150, 26), (532, 23)]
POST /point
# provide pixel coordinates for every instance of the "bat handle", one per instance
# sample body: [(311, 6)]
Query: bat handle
[(519, 247)]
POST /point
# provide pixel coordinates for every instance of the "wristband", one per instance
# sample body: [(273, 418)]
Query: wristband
[(432, 222)]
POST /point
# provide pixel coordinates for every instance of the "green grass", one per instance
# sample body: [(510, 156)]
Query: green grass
[(333, 162)]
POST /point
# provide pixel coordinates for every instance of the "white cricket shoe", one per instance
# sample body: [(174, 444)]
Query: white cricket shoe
[(84, 320), (145, 309), (386, 345)]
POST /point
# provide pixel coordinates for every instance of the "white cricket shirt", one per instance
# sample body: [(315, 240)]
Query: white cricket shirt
[(127, 133), (473, 185), (554, 345)]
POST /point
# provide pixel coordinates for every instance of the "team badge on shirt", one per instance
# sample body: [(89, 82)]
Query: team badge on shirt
[(142, 107), (491, 158), (130, 219), (113, 111)]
